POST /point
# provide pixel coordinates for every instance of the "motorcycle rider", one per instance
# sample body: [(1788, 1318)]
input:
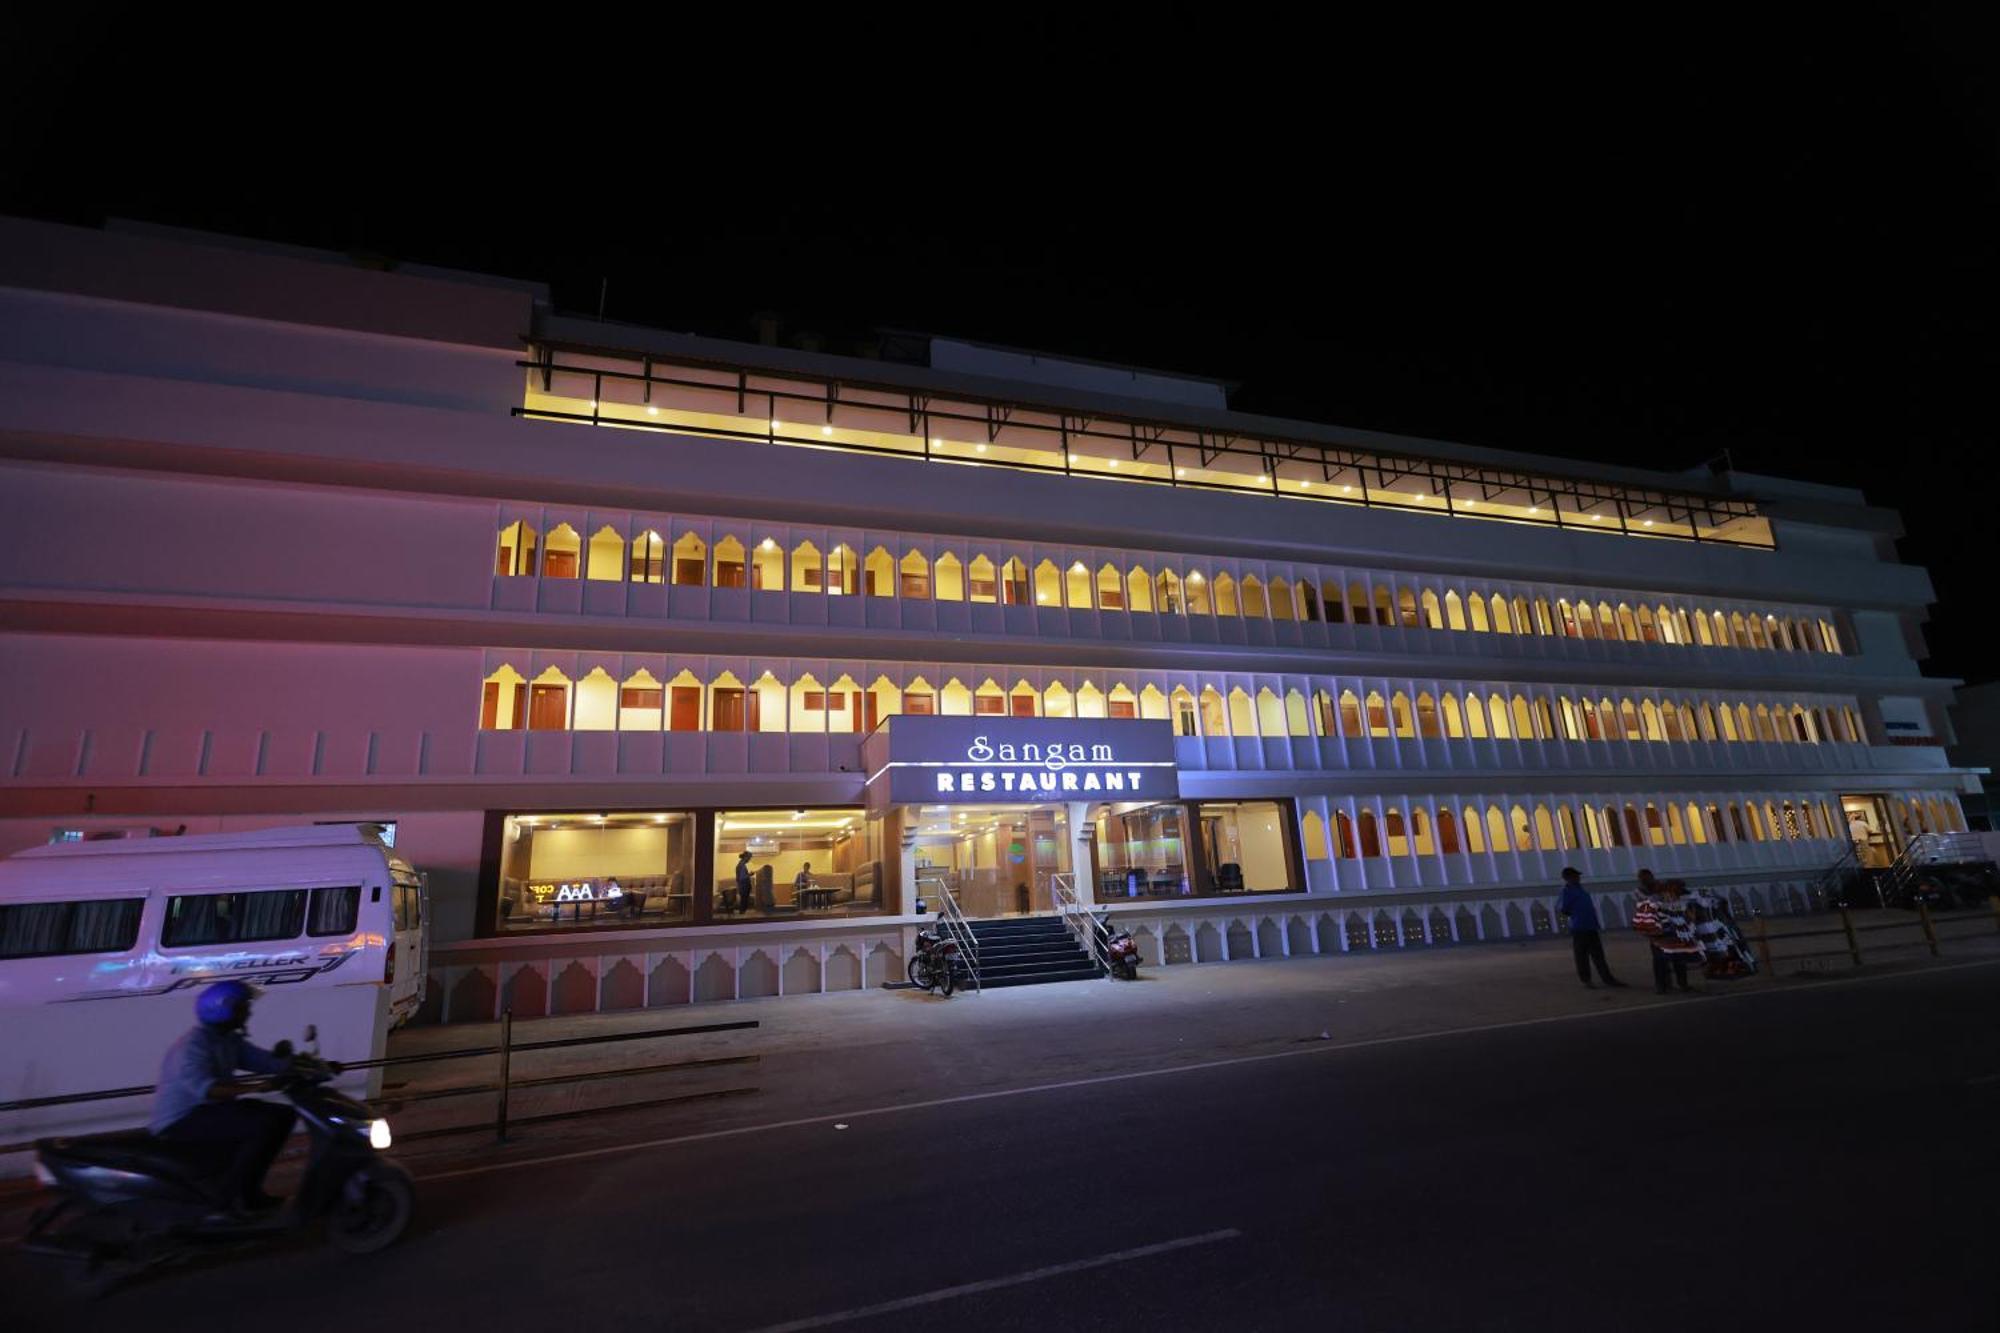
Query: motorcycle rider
[(197, 1098)]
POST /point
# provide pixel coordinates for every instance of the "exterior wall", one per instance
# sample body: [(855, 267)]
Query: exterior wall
[(247, 539)]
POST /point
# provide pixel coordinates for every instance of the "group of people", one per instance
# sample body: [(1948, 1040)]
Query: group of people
[(1681, 927), (746, 893)]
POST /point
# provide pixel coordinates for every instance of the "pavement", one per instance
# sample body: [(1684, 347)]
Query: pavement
[(1462, 1138)]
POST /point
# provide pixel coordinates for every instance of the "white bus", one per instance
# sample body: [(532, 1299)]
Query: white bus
[(105, 944)]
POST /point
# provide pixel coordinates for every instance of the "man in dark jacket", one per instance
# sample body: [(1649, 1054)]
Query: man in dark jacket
[(1584, 926)]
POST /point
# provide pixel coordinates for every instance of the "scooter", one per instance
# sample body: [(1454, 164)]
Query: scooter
[(127, 1201), (1121, 951)]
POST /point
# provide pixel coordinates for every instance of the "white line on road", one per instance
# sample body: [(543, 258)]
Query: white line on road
[(995, 1283), (1314, 1048)]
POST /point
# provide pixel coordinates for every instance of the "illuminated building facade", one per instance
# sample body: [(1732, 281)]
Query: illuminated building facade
[(589, 611)]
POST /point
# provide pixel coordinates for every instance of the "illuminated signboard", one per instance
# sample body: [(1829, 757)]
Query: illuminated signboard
[(999, 760)]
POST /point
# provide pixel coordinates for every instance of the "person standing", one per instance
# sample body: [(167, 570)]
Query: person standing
[(1664, 920), (1585, 931), (743, 882)]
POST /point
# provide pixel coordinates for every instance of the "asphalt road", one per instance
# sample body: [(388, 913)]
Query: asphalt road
[(1822, 1157)]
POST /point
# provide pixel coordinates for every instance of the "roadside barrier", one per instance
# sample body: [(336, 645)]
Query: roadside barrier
[(1923, 928), (504, 1084)]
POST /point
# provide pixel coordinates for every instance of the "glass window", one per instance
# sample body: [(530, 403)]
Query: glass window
[(39, 930), (593, 871), (797, 863), (333, 911), (232, 918), (1140, 853), (1245, 843)]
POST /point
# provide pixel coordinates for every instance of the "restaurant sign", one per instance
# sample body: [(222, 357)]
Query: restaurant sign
[(996, 760)]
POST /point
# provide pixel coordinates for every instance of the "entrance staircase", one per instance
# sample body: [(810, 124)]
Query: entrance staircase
[(1029, 950)]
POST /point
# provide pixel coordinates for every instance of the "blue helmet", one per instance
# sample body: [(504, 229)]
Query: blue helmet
[(224, 1002)]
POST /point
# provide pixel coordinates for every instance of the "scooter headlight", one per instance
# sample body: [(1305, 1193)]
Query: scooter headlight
[(378, 1135)]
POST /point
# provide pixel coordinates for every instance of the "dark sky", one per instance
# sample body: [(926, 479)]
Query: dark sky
[(1643, 245)]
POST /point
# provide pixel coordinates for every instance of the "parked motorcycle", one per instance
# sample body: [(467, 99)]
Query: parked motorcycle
[(127, 1201), (1121, 951), (933, 966)]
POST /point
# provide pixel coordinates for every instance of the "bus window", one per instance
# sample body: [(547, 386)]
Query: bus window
[(42, 930), (333, 911), (230, 918), (409, 914)]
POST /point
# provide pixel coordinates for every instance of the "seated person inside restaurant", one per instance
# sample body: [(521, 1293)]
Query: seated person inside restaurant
[(802, 884)]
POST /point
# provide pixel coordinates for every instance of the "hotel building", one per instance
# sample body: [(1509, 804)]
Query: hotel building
[(586, 612)]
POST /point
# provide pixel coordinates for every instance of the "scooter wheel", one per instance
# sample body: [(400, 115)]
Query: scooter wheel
[(373, 1209)]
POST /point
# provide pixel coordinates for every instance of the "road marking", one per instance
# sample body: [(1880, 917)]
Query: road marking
[(1316, 1048), (995, 1283)]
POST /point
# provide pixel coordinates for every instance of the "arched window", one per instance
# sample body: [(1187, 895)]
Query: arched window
[(1447, 832), (548, 700), (1213, 722), (1702, 634), (690, 560), (503, 700), (1717, 831), (1312, 829), (1628, 629), (1014, 582), (1295, 714), (1139, 590), (1427, 718), (1148, 703), (949, 585), (1357, 599), (1242, 715), (1454, 724), (607, 559), (1332, 602), (1168, 586), (1282, 605), (1544, 622), (1090, 701), (1675, 833), (989, 700), (767, 567), (1395, 831), (1503, 619), (1225, 595), (1607, 621), (1496, 713), (1371, 843), (1343, 831), (1432, 617), (729, 704), (1765, 730), (844, 706), (515, 553), (1524, 726), (1078, 587), (982, 581), (1454, 611), (1325, 721), (561, 556), (808, 571), (1308, 601), (955, 700), (1056, 700), (649, 558), (1475, 718), (1651, 715), (1385, 613), (1196, 589), (1399, 711), (729, 568), (1110, 589), (1522, 624), (913, 576), (1497, 835), (1566, 825), (1378, 716), (1628, 721), (1648, 631), (878, 574), (1253, 598), (596, 697), (1586, 621), (1185, 723), (1048, 584), (641, 702), (1024, 700), (1475, 832), (843, 571), (1635, 832), (1475, 607), (1545, 830), (767, 697), (1614, 831), (1406, 608)]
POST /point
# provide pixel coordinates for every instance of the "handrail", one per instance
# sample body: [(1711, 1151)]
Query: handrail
[(1091, 934), (952, 921)]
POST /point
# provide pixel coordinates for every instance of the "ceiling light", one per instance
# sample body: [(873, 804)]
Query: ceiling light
[(1649, 522), (1114, 462), (826, 430), (593, 404), (1305, 485), (777, 425), (768, 544), (1346, 489), (1534, 509), (1597, 518), (979, 448), (937, 442), (652, 411), (1180, 472)]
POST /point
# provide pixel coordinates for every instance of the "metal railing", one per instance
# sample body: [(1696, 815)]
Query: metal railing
[(952, 922), (1932, 849), (504, 1084), (1925, 924), (1091, 935)]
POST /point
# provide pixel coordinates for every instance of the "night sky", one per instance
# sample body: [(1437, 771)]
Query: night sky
[(1645, 246)]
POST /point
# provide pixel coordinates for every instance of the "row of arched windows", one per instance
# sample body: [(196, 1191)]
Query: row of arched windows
[(1412, 826), (551, 701), (840, 570)]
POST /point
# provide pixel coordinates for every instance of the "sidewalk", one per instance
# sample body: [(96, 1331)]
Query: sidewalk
[(822, 1055)]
